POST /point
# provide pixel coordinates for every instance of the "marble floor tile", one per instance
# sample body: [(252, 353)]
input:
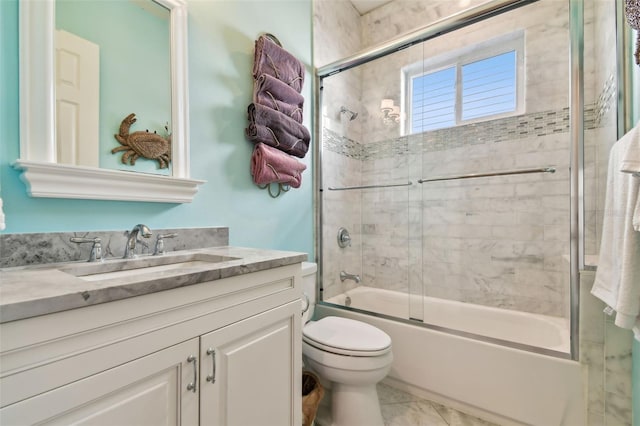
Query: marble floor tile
[(419, 413), (390, 395), (457, 418), (400, 408)]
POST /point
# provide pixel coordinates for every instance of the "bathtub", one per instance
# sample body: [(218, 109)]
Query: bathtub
[(509, 385)]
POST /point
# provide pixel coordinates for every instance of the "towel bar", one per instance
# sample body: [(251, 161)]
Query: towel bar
[(346, 188), (503, 173)]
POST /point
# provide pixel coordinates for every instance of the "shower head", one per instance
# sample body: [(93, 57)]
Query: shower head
[(352, 115)]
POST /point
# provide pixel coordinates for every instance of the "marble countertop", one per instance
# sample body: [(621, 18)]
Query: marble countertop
[(29, 291)]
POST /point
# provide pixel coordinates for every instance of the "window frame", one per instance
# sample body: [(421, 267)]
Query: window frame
[(457, 59)]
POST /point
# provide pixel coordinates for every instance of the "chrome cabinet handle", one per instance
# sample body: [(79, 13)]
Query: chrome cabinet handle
[(212, 377), (194, 385)]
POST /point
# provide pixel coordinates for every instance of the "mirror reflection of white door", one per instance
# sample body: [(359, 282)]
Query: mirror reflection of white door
[(77, 100)]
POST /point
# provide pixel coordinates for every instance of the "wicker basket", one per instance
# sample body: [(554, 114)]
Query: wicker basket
[(312, 393)]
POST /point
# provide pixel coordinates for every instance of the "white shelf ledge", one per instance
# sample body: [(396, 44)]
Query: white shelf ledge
[(52, 180)]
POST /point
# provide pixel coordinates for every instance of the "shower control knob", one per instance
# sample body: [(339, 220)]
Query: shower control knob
[(344, 239)]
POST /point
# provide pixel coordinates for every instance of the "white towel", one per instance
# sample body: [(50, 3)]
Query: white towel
[(631, 164), (617, 280)]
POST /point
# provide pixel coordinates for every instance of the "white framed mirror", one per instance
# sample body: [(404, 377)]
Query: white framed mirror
[(43, 175)]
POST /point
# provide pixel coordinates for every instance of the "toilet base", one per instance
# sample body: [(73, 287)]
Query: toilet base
[(355, 405)]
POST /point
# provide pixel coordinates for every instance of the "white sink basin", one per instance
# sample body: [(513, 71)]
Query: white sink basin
[(126, 268)]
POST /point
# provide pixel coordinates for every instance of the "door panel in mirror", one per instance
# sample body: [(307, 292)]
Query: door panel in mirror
[(77, 100)]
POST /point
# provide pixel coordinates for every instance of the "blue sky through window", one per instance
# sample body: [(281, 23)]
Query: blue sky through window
[(488, 88), (433, 101)]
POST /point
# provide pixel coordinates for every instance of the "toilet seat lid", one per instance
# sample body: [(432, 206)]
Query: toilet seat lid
[(347, 335)]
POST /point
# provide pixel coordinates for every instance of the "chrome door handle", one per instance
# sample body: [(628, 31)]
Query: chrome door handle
[(212, 377), (194, 385)]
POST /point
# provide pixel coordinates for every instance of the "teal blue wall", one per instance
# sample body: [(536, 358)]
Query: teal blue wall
[(221, 38)]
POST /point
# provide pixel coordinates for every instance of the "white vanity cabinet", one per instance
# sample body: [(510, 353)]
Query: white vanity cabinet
[(224, 352)]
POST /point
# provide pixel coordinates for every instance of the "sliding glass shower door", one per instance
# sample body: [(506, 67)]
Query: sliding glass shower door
[(366, 169), (448, 161)]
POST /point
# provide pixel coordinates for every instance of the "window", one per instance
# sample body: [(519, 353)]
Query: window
[(489, 86), (483, 82), (433, 100)]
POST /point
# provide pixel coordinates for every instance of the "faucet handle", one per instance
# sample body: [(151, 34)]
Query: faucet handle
[(160, 242), (96, 249)]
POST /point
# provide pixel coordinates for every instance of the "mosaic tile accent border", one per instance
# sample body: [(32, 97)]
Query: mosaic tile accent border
[(500, 130), (603, 104), (332, 141)]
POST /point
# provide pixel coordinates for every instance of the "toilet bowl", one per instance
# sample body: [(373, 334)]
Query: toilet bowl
[(352, 355)]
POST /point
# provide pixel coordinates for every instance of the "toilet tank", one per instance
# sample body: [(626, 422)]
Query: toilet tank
[(309, 270)]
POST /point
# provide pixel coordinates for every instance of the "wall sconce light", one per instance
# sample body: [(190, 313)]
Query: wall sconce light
[(390, 112)]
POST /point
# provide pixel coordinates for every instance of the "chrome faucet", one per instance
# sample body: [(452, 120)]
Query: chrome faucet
[(345, 276), (130, 248)]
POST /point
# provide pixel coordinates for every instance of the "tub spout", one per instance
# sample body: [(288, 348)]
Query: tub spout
[(346, 276)]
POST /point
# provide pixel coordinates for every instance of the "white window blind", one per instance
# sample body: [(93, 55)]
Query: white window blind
[(483, 82), (433, 103), (489, 86)]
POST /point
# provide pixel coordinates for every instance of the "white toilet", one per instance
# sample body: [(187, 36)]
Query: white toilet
[(352, 355)]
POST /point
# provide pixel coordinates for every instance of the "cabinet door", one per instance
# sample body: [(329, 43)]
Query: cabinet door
[(256, 366), (151, 390)]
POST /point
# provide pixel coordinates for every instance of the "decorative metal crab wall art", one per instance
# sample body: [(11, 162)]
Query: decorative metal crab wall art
[(142, 144)]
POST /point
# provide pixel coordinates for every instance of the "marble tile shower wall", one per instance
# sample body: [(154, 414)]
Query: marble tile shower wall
[(605, 350), (605, 353), (468, 222), (340, 209), (598, 140), (600, 71), (544, 23), (335, 39), (336, 36), (534, 139), (498, 241), (386, 22)]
